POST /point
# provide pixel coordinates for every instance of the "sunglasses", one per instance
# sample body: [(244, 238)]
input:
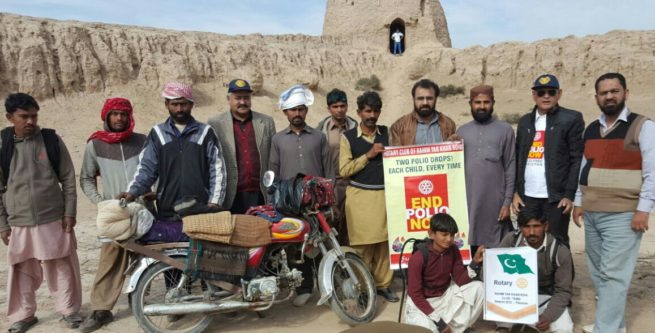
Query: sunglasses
[(550, 92)]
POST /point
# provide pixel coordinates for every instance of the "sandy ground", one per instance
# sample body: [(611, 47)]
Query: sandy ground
[(319, 319)]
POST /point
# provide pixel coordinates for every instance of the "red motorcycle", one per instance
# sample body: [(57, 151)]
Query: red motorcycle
[(164, 298)]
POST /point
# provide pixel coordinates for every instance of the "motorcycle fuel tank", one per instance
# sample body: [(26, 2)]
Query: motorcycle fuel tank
[(289, 230)]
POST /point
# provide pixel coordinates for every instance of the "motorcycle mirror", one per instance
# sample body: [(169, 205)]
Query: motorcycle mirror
[(269, 177)]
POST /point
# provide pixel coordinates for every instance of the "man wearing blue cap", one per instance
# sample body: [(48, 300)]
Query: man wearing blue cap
[(548, 155), (245, 137)]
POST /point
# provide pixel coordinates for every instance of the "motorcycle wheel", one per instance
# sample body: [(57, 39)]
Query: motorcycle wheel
[(152, 288), (353, 304)]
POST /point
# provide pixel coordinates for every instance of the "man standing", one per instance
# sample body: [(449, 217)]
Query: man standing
[(112, 154), (490, 170), (555, 271), (333, 126), (300, 149), (360, 159), (397, 38), (548, 153), (617, 183), (37, 216), (184, 156), (425, 124), (245, 137)]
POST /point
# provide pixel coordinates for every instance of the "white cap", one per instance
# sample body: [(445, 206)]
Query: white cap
[(295, 96)]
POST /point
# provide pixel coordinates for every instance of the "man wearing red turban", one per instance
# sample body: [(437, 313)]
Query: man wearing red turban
[(113, 154)]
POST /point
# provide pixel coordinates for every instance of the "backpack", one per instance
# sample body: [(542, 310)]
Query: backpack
[(50, 139), (551, 257)]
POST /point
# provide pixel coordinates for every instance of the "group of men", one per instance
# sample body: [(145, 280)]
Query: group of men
[(220, 165)]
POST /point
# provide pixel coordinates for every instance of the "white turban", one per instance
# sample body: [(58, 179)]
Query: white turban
[(295, 96)]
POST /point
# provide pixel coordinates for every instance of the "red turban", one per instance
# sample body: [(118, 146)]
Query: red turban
[(106, 135)]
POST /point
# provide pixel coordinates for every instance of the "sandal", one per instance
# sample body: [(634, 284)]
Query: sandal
[(72, 320), (22, 325)]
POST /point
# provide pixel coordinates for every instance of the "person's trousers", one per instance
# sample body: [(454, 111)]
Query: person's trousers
[(244, 200), (307, 269), (24, 279), (339, 221), (460, 307), (397, 48), (563, 324), (558, 222), (110, 275), (612, 248), (376, 258)]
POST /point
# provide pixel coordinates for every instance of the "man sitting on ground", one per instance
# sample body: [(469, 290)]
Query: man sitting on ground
[(555, 271)]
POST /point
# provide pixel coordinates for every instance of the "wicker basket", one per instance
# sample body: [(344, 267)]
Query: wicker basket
[(215, 227)]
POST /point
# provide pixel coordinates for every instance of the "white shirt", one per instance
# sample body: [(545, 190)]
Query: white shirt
[(397, 36), (535, 167)]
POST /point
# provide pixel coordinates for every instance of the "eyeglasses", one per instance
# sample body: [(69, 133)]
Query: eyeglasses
[(550, 92)]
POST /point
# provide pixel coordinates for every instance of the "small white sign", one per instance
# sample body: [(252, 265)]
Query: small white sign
[(511, 285)]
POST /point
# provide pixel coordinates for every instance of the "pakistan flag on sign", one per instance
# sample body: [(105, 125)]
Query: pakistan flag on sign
[(514, 264)]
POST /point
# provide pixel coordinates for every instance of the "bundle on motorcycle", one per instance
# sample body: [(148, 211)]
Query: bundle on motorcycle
[(219, 243)]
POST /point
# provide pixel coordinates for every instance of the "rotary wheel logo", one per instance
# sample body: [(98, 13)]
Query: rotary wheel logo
[(425, 187), (522, 283)]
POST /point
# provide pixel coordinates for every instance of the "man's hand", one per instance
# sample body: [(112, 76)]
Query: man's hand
[(503, 214), (577, 216), (126, 195), (640, 222), (447, 330), (150, 196), (517, 203), (68, 223), (542, 325), (479, 255), (375, 150), (566, 204), (213, 206), (5, 236), (454, 137)]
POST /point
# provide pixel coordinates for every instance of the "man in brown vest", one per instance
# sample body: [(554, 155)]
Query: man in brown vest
[(615, 196)]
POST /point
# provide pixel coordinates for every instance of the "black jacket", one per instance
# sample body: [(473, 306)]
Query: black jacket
[(563, 148)]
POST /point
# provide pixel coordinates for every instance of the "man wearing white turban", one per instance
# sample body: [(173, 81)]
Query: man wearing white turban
[(300, 149)]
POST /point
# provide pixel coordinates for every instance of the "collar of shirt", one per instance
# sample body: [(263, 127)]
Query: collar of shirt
[(623, 116), (539, 116), (189, 125), (361, 133), (305, 129), (248, 118), (333, 124), (433, 121)]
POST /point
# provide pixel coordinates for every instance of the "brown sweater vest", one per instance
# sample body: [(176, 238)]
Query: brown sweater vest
[(611, 179)]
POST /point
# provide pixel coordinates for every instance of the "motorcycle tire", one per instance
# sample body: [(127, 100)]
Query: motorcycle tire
[(353, 304), (152, 288)]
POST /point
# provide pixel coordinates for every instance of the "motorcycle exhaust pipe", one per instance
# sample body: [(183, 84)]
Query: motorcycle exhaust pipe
[(188, 308), (221, 306)]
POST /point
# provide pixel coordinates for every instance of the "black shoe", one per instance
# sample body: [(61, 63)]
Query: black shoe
[(96, 320), (388, 295)]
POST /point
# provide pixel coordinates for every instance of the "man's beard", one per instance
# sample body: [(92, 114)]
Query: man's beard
[(611, 110), (482, 117), (425, 112)]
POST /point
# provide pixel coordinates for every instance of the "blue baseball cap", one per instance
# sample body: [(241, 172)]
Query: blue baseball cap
[(546, 81), (238, 85)]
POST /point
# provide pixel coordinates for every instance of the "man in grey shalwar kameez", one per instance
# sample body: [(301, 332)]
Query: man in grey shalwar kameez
[(490, 170)]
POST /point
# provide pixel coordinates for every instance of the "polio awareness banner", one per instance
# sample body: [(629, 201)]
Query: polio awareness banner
[(420, 181), (511, 285)]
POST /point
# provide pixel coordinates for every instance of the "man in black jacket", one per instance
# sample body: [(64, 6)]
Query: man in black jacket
[(548, 155)]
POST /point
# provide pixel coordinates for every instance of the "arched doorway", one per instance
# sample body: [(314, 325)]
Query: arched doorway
[(397, 25)]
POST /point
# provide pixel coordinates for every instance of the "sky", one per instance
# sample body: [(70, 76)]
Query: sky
[(471, 22)]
